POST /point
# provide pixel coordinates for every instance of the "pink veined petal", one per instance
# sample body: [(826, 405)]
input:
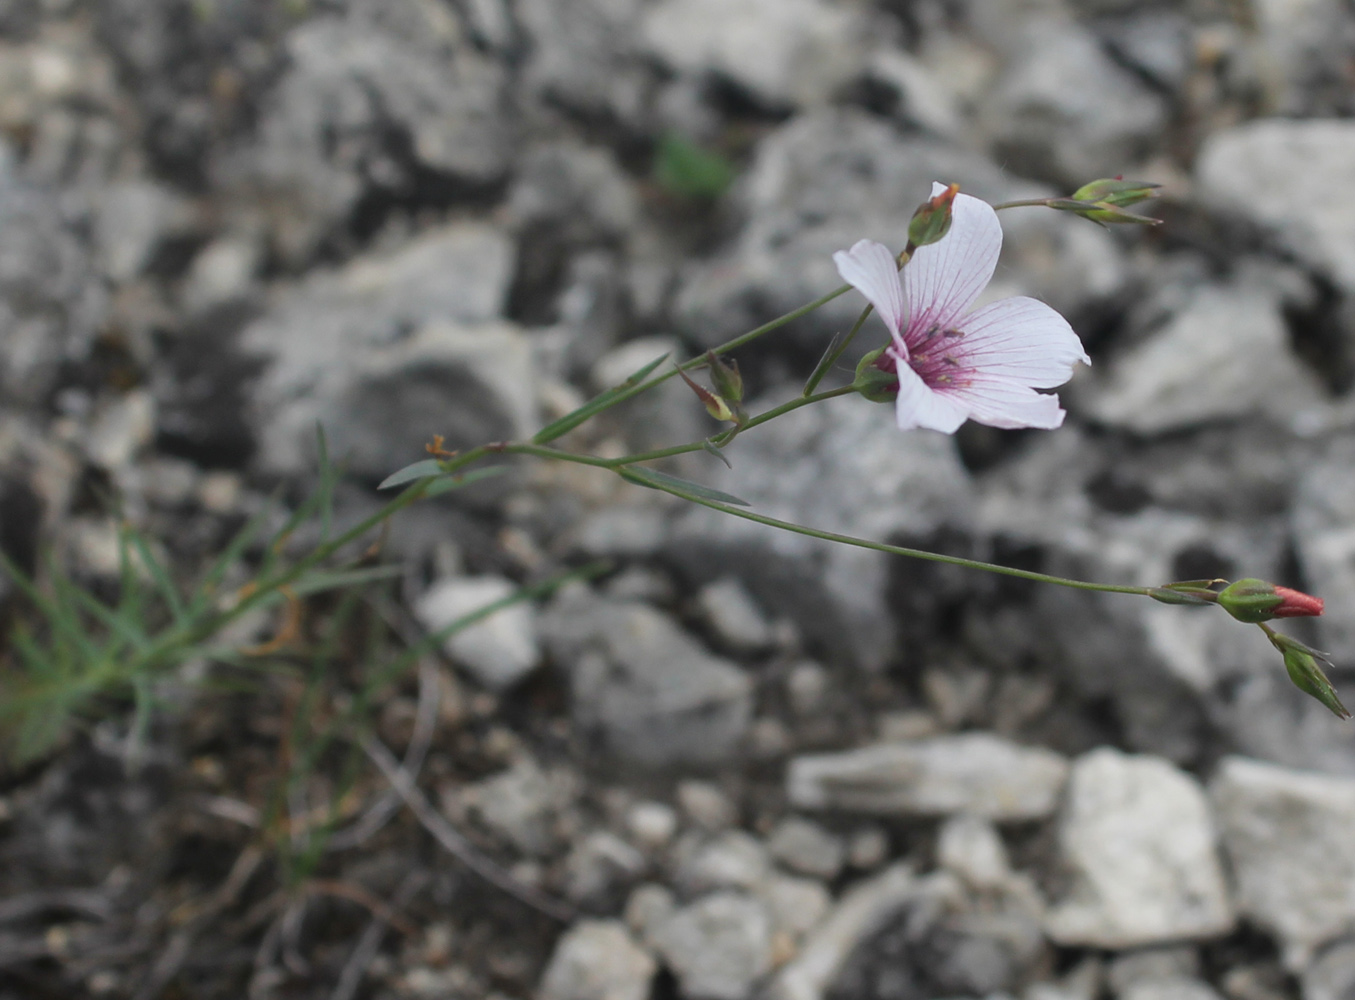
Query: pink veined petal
[(1021, 339), (943, 279), (870, 268), (1006, 404), (919, 406)]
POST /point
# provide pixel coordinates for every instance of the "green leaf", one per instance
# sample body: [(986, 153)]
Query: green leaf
[(450, 483), (684, 169), (710, 448), (426, 469), (681, 487), (319, 582), (821, 369), (597, 404)]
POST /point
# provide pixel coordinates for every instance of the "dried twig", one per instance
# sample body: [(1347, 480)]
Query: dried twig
[(365, 950), (457, 845)]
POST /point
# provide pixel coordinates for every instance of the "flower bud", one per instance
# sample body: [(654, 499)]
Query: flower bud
[(1116, 191), (714, 404), (1304, 666), (931, 221), (1254, 601), (874, 380), (724, 375)]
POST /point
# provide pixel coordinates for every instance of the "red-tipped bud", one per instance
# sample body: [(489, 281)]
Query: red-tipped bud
[(931, 221), (1254, 601), (724, 375), (1296, 604)]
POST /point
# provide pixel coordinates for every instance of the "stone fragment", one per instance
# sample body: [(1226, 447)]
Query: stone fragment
[(1324, 509), (705, 806), (520, 805), (1287, 837), (729, 860), (796, 905), (652, 824), (1137, 837), (583, 56), (1065, 111), (498, 651), (644, 687), (975, 773), (718, 947), (1331, 976), (600, 868), (783, 53), (1293, 178), (800, 468), (598, 960), (807, 848), (731, 614), (390, 350), (1224, 355), (132, 220), (973, 849)]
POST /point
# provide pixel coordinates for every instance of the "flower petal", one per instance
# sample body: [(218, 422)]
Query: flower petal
[(871, 269), (943, 279), (919, 406), (1003, 403), (1020, 339)]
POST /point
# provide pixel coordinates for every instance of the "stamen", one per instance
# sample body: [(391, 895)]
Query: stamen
[(951, 332)]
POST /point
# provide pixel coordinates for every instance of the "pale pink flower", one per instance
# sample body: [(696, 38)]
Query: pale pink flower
[(954, 364)]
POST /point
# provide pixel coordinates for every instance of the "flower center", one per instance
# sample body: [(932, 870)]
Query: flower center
[(935, 359)]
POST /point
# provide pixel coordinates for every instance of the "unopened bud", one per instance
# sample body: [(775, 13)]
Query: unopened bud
[(1254, 601), (724, 375), (874, 378), (714, 405), (1304, 666), (1104, 201), (932, 219)]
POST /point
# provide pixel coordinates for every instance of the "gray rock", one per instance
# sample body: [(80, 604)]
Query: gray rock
[(1225, 354), (572, 193), (807, 848), (1306, 44), (976, 773), (652, 824), (132, 220), (600, 868), (222, 273), (645, 688), (920, 96), (860, 912), (583, 56), (796, 905), (972, 848), (730, 860), (1138, 839), (1287, 837), (732, 616), (705, 806), (800, 468), (718, 947), (598, 960), (50, 299), (1324, 509), (1182, 988), (1332, 974), (783, 53), (829, 178), (1251, 170), (648, 906), (1159, 974), (1065, 111), (389, 351), (521, 803), (324, 135), (1157, 43), (498, 651)]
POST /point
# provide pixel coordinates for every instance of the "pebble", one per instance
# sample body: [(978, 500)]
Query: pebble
[(736, 622), (718, 947), (652, 824), (807, 848), (499, 650), (1287, 835), (598, 960), (975, 773), (972, 848), (705, 806), (1140, 845), (729, 860)]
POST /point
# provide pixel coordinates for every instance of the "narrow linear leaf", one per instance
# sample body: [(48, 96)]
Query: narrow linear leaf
[(596, 405), (419, 470), (672, 484), (821, 369), (159, 575), (709, 447), (320, 582), (465, 479)]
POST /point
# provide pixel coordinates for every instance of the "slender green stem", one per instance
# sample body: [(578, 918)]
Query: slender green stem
[(1028, 203), (902, 259), (898, 550)]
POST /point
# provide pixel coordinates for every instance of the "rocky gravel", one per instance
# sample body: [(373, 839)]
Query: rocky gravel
[(732, 763)]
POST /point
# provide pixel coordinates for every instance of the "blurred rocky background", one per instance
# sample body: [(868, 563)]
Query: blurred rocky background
[(747, 764)]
